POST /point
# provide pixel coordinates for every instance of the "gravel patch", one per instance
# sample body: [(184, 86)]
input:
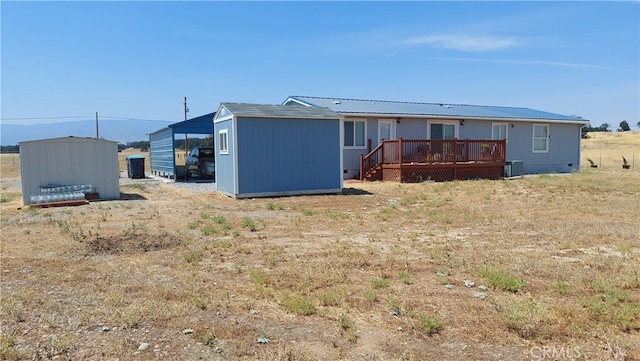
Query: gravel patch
[(195, 186)]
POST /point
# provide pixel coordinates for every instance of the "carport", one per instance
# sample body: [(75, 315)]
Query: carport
[(162, 144)]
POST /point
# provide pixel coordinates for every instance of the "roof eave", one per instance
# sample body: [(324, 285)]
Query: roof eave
[(451, 117), (275, 116)]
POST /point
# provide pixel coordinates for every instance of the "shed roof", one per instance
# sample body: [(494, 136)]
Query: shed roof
[(69, 139), (384, 107), (279, 111)]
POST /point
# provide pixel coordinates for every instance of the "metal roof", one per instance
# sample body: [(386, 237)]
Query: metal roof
[(68, 139), (198, 125), (384, 107), (279, 111)]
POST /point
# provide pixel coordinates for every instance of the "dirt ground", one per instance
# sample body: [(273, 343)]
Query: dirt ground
[(538, 268)]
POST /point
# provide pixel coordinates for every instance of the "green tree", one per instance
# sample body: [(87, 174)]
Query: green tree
[(624, 126)]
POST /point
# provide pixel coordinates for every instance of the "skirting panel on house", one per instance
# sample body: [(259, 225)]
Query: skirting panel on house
[(441, 173)]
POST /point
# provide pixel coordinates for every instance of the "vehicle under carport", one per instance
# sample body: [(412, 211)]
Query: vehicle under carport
[(162, 152)]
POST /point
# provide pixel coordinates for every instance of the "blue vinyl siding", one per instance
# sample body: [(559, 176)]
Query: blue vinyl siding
[(475, 129), (286, 155), (225, 171), (564, 142), (412, 128), (564, 148)]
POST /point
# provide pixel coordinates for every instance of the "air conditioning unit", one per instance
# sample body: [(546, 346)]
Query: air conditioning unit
[(514, 168)]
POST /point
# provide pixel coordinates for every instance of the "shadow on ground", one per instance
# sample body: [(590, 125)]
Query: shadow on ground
[(131, 197), (354, 192)]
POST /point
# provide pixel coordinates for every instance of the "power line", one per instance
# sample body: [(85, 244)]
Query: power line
[(38, 118), (147, 120), (89, 117)]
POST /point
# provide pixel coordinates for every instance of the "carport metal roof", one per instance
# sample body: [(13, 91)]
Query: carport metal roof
[(162, 149), (198, 125)]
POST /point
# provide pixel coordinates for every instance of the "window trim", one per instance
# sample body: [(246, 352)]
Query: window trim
[(223, 141), (364, 135), (506, 131), (534, 138), (454, 123)]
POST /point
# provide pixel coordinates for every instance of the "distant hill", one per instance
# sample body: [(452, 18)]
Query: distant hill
[(122, 131)]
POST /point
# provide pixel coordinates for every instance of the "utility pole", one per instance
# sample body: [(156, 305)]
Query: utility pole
[(186, 143), (186, 110), (97, 134)]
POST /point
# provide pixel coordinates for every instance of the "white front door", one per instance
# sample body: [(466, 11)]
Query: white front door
[(386, 130)]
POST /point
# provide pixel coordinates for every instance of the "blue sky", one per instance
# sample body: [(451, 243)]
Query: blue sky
[(139, 59)]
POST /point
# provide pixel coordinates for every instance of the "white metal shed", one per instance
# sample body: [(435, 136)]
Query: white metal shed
[(69, 161)]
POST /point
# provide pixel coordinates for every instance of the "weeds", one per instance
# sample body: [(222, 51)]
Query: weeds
[(405, 277), (14, 308), (329, 299), (349, 327), (208, 230), (136, 228), (8, 344), (223, 222), (562, 287), (525, 316), (208, 338), (612, 305), (371, 296), (336, 215), (260, 278), (194, 225), (200, 302), (249, 224), (430, 324), (192, 256), (299, 305), (501, 279), (272, 206), (9, 196), (379, 283)]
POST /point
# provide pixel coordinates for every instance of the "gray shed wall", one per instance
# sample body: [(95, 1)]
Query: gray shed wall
[(69, 161)]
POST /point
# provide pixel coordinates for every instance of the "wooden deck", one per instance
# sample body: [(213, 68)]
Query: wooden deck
[(419, 160)]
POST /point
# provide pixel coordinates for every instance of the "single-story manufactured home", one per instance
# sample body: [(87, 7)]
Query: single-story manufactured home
[(411, 141), (162, 143), (69, 163), (276, 150)]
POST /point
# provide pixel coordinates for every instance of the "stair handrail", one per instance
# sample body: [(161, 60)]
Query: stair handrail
[(367, 160)]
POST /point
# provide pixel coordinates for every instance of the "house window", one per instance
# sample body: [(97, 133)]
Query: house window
[(540, 138), (354, 133), (443, 131), (223, 141), (499, 131)]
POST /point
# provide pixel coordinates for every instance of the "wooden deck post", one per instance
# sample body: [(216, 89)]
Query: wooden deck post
[(361, 166), (400, 158), (454, 150)]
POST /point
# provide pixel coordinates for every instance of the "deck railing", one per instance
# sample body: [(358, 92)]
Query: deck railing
[(432, 151)]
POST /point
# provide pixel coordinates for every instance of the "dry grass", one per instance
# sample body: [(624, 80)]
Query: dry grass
[(607, 149), (375, 274)]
